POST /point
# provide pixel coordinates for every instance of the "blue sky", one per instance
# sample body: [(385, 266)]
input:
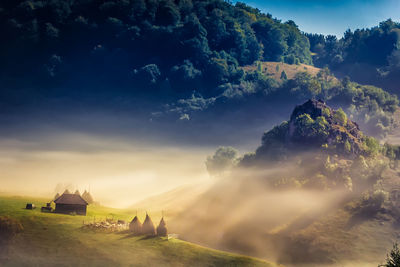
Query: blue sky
[(331, 16)]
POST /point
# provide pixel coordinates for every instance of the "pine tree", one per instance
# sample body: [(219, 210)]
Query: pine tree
[(393, 259)]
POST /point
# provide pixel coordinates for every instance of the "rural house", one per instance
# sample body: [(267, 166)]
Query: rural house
[(70, 203)]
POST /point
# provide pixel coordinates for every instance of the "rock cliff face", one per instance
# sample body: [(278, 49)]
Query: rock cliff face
[(313, 126)]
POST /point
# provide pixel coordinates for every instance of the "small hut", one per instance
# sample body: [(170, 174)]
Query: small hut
[(70, 203), (135, 226), (162, 228), (148, 227)]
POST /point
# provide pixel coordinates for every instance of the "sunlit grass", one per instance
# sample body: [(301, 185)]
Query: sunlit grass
[(56, 239)]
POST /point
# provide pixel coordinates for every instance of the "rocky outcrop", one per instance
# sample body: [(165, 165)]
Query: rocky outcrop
[(312, 126), (331, 128)]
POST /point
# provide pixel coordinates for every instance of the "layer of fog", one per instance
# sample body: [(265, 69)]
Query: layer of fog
[(243, 213), (117, 172)]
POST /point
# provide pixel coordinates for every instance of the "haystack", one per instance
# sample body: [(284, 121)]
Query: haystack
[(56, 196), (135, 226), (77, 192), (9, 227), (148, 227), (88, 197), (66, 191), (162, 228)]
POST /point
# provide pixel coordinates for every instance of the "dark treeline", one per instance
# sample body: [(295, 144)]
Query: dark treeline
[(368, 55), (177, 44), (185, 56)]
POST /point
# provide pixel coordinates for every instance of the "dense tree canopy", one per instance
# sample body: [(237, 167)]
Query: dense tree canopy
[(368, 55), (178, 44)]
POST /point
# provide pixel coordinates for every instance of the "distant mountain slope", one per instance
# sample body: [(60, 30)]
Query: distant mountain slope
[(58, 240)]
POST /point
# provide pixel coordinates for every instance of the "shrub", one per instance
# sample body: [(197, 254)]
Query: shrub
[(223, 160), (347, 146), (340, 117), (326, 112), (9, 227), (283, 75), (371, 145), (372, 202)]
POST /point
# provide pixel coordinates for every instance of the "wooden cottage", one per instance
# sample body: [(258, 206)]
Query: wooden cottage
[(70, 203)]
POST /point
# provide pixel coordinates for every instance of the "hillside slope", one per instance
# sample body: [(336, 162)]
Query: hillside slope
[(171, 202), (316, 192), (274, 69), (59, 240)]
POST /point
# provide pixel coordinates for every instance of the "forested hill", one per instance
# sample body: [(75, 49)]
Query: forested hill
[(370, 56), (181, 44), (180, 58)]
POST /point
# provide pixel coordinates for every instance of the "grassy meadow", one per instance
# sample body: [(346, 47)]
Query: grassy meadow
[(59, 240)]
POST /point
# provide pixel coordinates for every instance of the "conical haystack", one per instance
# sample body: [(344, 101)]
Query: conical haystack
[(135, 226), (77, 192), (148, 227), (88, 197), (56, 196), (162, 228), (66, 191)]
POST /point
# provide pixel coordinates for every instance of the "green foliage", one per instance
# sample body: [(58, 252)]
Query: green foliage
[(372, 55), (283, 75), (281, 39), (214, 35), (311, 131), (347, 147), (287, 183), (304, 123), (326, 112), (371, 145), (371, 107), (318, 181), (393, 259), (391, 151), (340, 117), (372, 202), (223, 160), (305, 85)]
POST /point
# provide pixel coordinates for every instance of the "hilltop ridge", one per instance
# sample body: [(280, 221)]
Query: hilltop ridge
[(314, 126)]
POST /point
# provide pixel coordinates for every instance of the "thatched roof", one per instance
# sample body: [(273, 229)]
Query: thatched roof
[(135, 226), (162, 228), (70, 199), (148, 226)]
